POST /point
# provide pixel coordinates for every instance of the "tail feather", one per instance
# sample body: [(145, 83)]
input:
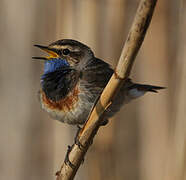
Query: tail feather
[(145, 87)]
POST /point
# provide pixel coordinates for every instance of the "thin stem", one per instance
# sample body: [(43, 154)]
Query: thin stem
[(123, 69)]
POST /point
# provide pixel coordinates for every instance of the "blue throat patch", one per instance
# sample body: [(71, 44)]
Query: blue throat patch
[(56, 81), (55, 64)]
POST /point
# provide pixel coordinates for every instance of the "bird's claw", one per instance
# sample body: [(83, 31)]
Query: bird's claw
[(76, 140), (104, 122), (67, 161)]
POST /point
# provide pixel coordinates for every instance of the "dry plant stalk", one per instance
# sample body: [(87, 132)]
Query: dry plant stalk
[(129, 52)]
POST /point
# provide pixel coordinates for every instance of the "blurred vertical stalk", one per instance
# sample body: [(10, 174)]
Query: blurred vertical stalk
[(38, 141), (65, 28), (115, 18), (86, 29), (177, 159), (26, 139), (154, 112), (76, 19)]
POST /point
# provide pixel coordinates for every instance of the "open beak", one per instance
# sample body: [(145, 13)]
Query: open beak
[(51, 53)]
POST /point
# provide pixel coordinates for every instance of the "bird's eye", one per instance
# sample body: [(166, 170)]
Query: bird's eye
[(66, 51)]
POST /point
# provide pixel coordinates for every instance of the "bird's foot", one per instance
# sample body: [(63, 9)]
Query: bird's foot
[(67, 161), (76, 139), (104, 122)]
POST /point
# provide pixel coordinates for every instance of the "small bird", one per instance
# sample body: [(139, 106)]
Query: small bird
[(73, 79)]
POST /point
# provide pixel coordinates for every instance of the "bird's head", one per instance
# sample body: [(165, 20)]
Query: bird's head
[(65, 53)]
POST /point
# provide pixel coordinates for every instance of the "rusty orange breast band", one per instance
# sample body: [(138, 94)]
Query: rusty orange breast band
[(66, 104)]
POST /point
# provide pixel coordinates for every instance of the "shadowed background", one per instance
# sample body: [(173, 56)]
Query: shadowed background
[(144, 141)]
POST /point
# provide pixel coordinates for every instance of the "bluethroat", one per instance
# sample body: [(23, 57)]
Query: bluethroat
[(73, 79)]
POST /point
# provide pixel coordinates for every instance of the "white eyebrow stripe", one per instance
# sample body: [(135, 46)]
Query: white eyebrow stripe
[(66, 46)]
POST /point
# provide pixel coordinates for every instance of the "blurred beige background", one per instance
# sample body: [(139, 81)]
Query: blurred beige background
[(145, 141)]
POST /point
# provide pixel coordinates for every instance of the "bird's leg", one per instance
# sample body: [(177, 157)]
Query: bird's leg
[(104, 122), (67, 161), (76, 140), (79, 129)]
